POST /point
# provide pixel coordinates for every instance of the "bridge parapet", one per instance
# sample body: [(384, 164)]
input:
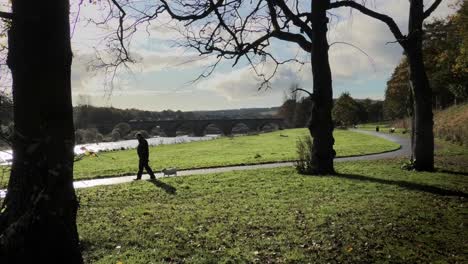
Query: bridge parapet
[(198, 126)]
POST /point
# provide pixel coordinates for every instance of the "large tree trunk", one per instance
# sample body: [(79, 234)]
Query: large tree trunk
[(423, 141), (321, 124), (38, 224), (423, 144)]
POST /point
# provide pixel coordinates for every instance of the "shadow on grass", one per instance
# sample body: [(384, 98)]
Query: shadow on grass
[(406, 185), (453, 172), (166, 187)]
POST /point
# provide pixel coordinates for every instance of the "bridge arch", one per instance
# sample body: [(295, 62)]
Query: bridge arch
[(198, 127), (275, 125), (243, 127)]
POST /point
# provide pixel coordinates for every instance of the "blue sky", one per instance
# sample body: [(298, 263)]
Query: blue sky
[(162, 78)]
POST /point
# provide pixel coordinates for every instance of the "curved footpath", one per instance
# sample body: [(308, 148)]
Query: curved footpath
[(404, 150)]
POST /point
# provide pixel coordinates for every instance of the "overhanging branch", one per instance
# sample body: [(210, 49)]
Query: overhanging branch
[(120, 31), (356, 47), (431, 9), (384, 18), (6, 15), (204, 14), (305, 91), (293, 37), (294, 18)]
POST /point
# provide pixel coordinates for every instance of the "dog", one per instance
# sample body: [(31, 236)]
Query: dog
[(169, 171)]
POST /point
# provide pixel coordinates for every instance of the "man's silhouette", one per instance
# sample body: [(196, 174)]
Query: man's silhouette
[(143, 155)]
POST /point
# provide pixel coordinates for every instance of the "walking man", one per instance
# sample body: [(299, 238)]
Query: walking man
[(143, 155)]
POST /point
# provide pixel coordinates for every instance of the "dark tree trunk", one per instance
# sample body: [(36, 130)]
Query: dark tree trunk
[(321, 124), (423, 141), (38, 224)]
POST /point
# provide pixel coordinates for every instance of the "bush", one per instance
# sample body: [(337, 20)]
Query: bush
[(79, 136), (87, 135), (115, 135), (123, 128), (99, 137), (304, 150)]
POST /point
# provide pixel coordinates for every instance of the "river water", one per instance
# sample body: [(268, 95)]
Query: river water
[(6, 155)]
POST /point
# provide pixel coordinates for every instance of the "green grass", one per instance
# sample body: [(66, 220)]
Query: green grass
[(268, 147), (372, 212)]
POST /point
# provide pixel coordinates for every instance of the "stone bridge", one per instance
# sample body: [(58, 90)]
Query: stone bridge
[(198, 127)]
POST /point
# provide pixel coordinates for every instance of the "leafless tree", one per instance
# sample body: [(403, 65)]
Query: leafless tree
[(423, 136), (245, 30)]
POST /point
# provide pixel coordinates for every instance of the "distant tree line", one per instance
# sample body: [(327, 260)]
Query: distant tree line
[(87, 116), (346, 111), (445, 51)]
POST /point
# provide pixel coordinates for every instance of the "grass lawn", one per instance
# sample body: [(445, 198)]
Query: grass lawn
[(372, 212), (268, 147)]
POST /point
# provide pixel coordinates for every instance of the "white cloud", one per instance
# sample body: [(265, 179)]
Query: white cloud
[(242, 82)]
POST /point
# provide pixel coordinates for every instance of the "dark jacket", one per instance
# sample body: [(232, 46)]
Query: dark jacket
[(142, 149)]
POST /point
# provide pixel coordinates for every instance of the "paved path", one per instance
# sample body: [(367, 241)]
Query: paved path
[(404, 150)]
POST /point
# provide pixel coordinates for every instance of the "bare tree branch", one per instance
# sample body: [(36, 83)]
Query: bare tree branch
[(222, 34), (293, 17), (384, 18), (305, 91), (431, 9), (204, 14), (297, 38), (359, 49), (6, 15), (120, 31)]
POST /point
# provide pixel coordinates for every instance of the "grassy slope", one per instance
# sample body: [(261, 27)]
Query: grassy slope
[(269, 147), (372, 212), (452, 124)]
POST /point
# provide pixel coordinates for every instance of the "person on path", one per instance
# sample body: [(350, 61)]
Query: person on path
[(143, 155)]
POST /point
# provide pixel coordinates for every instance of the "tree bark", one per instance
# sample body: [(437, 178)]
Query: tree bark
[(38, 224), (321, 124), (423, 144)]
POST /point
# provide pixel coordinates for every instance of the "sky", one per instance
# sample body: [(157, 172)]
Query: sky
[(164, 73)]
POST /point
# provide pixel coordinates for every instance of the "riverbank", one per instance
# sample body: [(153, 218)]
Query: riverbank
[(253, 149), (276, 146)]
